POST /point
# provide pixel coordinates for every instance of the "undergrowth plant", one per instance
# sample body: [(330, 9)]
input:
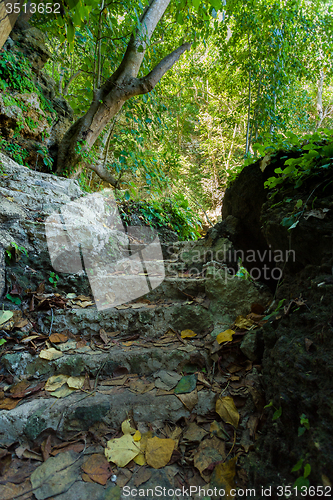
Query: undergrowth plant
[(175, 214)]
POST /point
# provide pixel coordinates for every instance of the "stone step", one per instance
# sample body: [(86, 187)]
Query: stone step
[(140, 358), (147, 321), (80, 411)]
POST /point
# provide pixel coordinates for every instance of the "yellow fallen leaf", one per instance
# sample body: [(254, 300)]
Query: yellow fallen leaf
[(56, 381), (137, 436), (140, 459), (122, 450), (225, 336), (50, 354), (144, 440), (187, 334), (159, 451), (242, 322), (76, 382), (223, 477), (227, 410), (127, 428)]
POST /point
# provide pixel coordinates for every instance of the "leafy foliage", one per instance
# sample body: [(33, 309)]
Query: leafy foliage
[(174, 214)]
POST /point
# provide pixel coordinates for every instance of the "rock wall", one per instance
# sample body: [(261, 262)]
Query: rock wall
[(295, 347), (33, 118)]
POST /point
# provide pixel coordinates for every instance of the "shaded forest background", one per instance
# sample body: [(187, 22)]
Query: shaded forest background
[(257, 77)]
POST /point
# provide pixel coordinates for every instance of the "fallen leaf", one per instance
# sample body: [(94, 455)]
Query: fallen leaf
[(245, 441), (216, 429), (46, 448), (141, 386), (116, 381), (127, 428), (159, 451), (32, 455), (122, 450), (189, 400), (97, 468), (308, 343), (318, 213), (227, 410), (62, 392), (225, 336), (124, 475), (9, 403), (194, 433), (223, 477), (50, 354), (137, 436), (76, 382), (56, 475), (55, 382), (243, 323), (141, 476), (209, 451), (21, 323), (187, 334), (103, 335), (57, 338), (186, 384), (140, 459), (5, 316), (19, 387)]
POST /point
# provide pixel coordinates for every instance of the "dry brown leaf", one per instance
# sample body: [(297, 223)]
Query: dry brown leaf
[(141, 386), (159, 451), (46, 448), (103, 335), (189, 400), (97, 468), (227, 410), (209, 451), (8, 403), (141, 476), (194, 433), (57, 338)]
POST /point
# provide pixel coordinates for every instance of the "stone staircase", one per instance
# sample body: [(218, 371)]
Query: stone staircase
[(130, 356)]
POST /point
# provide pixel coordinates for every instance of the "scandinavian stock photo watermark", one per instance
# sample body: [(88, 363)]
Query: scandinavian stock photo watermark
[(124, 263)]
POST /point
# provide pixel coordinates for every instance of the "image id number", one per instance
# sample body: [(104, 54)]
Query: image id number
[(48, 8), (303, 491)]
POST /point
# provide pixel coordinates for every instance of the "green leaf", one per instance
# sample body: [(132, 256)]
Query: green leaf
[(5, 316), (298, 465), (301, 431), (196, 4), (299, 203), (301, 481), (186, 384), (2, 341), (277, 414), (307, 470)]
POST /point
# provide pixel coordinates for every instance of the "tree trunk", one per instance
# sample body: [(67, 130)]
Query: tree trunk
[(8, 18), (122, 85)]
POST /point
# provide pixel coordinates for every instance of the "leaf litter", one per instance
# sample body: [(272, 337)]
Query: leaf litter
[(204, 442)]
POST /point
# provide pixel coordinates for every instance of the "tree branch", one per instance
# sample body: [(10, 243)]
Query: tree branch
[(145, 84), (104, 174)]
